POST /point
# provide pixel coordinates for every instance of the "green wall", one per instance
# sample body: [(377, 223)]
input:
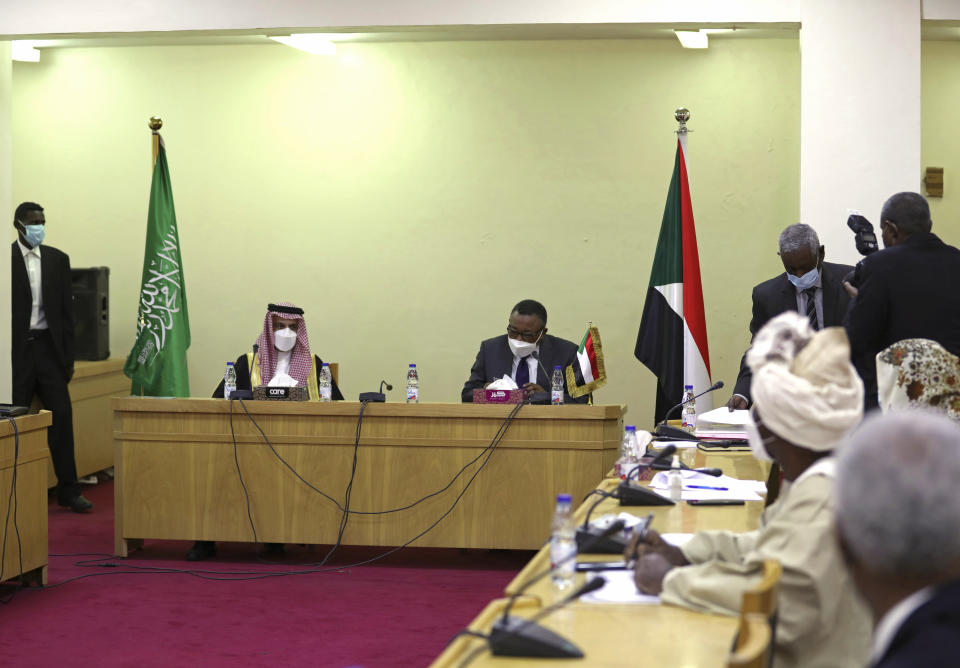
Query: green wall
[(940, 133), (408, 194)]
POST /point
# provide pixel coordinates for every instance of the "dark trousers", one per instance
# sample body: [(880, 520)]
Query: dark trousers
[(40, 373)]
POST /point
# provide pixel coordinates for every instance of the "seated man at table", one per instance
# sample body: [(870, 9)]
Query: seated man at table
[(526, 353), (281, 355), (897, 522), (807, 397)]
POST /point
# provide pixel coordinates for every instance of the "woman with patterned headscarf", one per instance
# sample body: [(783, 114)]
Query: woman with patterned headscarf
[(807, 398), (919, 373), (281, 356)]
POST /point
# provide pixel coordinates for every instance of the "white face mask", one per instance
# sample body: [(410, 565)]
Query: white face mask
[(284, 339), (521, 348), (757, 443)]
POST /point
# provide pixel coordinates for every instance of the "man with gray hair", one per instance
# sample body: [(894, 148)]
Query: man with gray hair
[(898, 524), (809, 286)]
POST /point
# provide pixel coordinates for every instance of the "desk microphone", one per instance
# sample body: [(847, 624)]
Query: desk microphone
[(634, 495), (664, 430), (595, 540), (515, 636), (376, 397)]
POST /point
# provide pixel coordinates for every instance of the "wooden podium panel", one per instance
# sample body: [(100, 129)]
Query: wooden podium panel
[(31, 496), (176, 476)]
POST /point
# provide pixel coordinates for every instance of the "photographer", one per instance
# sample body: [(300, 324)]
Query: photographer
[(908, 290)]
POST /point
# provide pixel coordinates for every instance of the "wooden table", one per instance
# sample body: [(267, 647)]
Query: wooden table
[(31, 497), (628, 635), (176, 477)]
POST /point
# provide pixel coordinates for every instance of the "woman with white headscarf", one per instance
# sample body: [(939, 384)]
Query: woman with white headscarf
[(807, 397)]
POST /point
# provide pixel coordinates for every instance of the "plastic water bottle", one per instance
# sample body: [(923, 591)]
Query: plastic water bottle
[(556, 389), (325, 383), (413, 385), (629, 457), (563, 544), (229, 381), (689, 422), (675, 480)]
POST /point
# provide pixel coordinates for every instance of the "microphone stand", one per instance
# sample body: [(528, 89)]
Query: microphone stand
[(511, 636), (665, 431), (634, 495)]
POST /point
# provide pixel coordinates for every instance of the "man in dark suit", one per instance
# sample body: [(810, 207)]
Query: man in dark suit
[(808, 285), (526, 353), (896, 521), (42, 320), (906, 291)]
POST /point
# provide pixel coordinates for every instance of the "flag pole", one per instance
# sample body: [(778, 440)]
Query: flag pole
[(155, 123)]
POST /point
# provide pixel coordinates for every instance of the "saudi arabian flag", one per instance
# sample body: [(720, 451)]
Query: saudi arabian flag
[(672, 341), (589, 372), (157, 364)]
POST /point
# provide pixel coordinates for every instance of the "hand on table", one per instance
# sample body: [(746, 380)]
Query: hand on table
[(530, 388), (649, 573), (651, 542), (737, 403)]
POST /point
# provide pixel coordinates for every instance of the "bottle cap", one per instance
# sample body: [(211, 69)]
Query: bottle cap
[(326, 364), (630, 427), (413, 366), (557, 366), (564, 498), (229, 363), (675, 464), (688, 387)]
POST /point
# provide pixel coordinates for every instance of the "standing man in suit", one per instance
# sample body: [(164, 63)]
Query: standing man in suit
[(526, 353), (808, 286), (42, 301), (906, 291), (896, 520)]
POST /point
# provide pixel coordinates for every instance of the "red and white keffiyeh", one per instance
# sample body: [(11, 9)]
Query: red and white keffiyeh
[(301, 361)]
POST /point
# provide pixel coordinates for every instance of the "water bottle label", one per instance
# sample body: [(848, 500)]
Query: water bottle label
[(556, 397), (326, 392), (412, 395)]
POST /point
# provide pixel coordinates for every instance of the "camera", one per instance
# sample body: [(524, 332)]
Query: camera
[(865, 239), (866, 242)]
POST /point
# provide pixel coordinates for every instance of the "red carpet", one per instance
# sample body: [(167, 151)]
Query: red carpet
[(397, 612)]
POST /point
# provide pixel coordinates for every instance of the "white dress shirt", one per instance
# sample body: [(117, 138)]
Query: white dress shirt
[(31, 258), (531, 366), (891, 622)]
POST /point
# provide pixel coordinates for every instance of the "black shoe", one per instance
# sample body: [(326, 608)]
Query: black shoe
[(202, 549), (274, 550), (78, 503)]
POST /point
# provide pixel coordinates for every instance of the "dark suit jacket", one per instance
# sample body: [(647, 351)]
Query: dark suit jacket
[(777, 295), (907, 291), (57, 289), (929, 637), (495, 359)]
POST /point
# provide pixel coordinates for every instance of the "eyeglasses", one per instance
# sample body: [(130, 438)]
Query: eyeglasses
[(529, 337)]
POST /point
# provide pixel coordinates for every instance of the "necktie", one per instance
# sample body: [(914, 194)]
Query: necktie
[(812, 308), (523, 372)]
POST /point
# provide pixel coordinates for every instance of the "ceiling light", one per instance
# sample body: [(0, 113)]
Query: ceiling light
[(317, 44), (692, 39), (24, 51)]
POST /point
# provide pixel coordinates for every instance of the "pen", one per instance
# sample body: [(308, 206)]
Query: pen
[(642, 537), (719, 489)]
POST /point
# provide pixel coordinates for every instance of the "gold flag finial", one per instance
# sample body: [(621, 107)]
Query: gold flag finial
[(682, 115), (155, 123)]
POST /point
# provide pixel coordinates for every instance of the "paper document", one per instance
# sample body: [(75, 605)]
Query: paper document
[(724, 416), (702, 487), (620, 588), (659, 445)]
